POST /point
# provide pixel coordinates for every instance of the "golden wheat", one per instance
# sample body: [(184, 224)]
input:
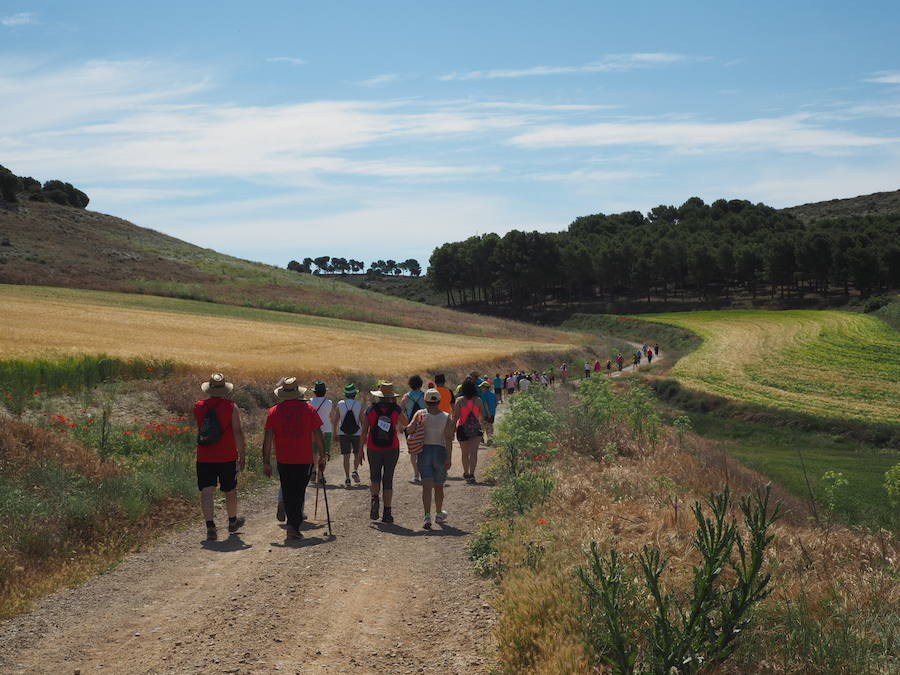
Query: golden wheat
[(48, 324)]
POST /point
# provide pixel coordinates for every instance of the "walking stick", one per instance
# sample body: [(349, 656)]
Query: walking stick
[(327, 512), (316, 511)]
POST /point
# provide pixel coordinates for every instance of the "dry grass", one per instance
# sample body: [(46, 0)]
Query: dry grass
[(48, 323), (827, 582)]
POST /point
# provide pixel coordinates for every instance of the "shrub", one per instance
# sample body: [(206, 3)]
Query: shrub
[(685, 634)]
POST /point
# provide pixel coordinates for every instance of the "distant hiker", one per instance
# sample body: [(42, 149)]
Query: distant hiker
[(322, 406), (656, 349), (620, 361), (434, 457), (489, 399), (468, 412), (380, 424), (292, 425), (597, 366), (524, 383), (347, 418), (609, 367), (412, 402), (498, 388), (447, 397), (587, 368), (649, 356), (564, 372), (635, 360), (645, 348), (221, 453), (510, 385)]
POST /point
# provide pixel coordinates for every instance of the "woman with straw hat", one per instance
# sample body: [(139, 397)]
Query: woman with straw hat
[(379, 427), (220, 451), (292, 425)]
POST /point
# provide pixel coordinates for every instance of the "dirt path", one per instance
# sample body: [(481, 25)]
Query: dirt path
[(374, 599)]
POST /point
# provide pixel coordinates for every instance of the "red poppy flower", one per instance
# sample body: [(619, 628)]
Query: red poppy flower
[(542, 522)]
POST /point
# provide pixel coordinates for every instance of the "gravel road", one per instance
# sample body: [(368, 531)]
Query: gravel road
[(373, 599)]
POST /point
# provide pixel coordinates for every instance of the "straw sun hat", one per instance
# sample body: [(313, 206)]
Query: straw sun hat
[(288, 390), (217, 386), (385, 390)]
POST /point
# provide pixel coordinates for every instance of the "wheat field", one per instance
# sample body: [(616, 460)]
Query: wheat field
[(834, 364), (52, 322)]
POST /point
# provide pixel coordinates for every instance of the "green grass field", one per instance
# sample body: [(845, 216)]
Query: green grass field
[(831, 364)]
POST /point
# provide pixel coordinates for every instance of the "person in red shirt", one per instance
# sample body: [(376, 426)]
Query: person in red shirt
[(380, 423), (220, 451), (291, 426)]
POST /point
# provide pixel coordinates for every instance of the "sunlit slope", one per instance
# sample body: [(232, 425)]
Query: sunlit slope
[(38, 321), (834, 364)]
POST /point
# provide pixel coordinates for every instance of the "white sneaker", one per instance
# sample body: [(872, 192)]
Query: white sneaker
[(441, 517), (426, 521)]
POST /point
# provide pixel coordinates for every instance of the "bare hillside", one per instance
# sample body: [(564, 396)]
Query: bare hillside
[(52, 245)]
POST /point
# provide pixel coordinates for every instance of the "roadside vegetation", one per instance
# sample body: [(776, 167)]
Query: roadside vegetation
[(622, 552)]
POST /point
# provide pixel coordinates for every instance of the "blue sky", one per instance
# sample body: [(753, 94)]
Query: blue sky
[(379, 130)]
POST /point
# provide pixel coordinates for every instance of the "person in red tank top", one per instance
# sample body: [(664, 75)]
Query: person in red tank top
[(220, 451), (291, 426)]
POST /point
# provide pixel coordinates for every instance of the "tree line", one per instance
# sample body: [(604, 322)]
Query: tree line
[(15, 189), (328, 265), (695, 250)]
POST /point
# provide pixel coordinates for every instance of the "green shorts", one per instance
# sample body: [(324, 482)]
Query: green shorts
[(327, 435)]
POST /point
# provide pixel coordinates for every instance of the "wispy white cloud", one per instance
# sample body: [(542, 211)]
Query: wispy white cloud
[(885, 77), (537, 107), (610, 63), (380, 80), (789, 134), (20, 19), (287, 59), (582, 176)]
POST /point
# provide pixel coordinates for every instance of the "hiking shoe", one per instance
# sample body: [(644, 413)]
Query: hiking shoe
[(471, 479), (466, 477), (236, 525), (347, 483), (441, 517), (373, 510), (211, 534), (355, 475), (293, 533), (386, 517), (426, 521), (279, 512)]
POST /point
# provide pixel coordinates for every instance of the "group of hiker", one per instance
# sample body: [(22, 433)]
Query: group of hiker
[(301, 432)]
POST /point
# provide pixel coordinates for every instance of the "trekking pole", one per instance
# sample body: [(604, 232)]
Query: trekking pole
[(327, 512), (316, 511)]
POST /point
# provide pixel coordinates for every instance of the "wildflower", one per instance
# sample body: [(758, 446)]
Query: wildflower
[(149, 370), (9, 396), (127, 433), (542, 522), (35, 393), (72, 424)]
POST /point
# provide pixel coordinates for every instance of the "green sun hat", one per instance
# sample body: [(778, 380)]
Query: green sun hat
[(351, 389)]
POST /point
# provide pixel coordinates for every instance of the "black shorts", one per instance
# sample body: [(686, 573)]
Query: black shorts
[(222, 473), (349, 444), (381, 466), (461, 434), (489, 419)]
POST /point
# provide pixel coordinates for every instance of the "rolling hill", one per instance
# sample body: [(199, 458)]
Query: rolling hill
[(45, 244)]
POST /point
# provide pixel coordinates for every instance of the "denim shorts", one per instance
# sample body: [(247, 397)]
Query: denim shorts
[(432, 463)]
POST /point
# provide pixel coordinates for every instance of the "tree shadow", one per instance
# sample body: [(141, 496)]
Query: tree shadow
[(233, 543)]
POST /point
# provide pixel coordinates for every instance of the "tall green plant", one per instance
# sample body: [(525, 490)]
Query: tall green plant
[(682, 634)]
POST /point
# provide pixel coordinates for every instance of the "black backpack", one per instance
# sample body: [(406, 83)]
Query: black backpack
[(210, 430), (383, 432), (349, 425)]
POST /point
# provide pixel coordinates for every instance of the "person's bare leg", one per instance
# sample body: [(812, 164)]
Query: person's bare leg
[(231, 503), (438, 497), (206, 502), (427, 486), (464, 455), (415, 466), (357, 460), (346, 459), (473, 456)]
